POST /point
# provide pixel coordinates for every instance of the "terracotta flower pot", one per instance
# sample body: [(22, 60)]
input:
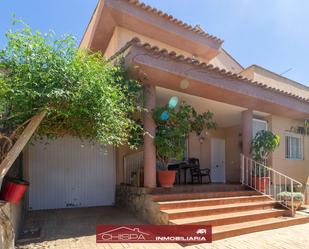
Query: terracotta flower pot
[(296, 203), (167, 178), (260, 183)]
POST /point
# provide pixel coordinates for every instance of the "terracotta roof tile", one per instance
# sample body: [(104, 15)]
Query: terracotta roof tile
[(174, 20), (179, 57)]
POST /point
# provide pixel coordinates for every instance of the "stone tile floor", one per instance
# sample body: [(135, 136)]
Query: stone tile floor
[(75, 229)]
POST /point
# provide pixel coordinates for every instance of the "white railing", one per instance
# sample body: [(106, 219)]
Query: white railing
[(132, 168), (269, 182)]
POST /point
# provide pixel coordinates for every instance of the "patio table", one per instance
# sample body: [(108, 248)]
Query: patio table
[(182, 166), (185, 167)]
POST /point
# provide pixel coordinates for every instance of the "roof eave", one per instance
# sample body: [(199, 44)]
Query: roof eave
[(163, 68), (149, 22)]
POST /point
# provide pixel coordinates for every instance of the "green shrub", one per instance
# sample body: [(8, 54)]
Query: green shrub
[(264, 143), (287, 196), (84, 95)]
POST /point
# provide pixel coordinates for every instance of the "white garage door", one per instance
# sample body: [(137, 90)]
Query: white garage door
[(68, 172)]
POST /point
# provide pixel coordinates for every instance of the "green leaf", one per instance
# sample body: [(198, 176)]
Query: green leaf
[(85, 95)]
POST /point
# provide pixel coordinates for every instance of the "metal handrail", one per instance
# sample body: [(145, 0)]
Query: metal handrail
[(268, 181)]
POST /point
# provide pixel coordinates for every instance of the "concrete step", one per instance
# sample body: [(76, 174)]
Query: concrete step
[(217, 209), (231, 218), (200, 195), (211, 201), (226, 231), (192, 188)]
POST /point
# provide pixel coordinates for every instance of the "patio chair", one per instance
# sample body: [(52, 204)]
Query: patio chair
[(197, 173)]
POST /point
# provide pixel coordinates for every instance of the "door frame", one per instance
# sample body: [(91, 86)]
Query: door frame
[(212, 157)]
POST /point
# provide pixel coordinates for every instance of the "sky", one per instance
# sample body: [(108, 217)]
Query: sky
[(270, 33)]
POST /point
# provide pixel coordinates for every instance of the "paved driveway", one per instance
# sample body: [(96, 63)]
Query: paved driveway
[(75, 229)]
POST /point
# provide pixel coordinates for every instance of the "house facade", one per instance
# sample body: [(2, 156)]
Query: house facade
[(171, 58)]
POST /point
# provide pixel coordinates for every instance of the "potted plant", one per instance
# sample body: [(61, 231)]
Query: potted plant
[(13, 190), (264, 143), (260, 178), (173, 126), (286, 197)]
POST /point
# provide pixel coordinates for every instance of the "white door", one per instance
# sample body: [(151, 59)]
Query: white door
[(217, 160), (68, 172)]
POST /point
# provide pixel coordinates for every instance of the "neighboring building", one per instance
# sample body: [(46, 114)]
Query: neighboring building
[(173, 58)]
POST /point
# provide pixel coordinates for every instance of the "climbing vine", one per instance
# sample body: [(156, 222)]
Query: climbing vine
[(84, 95)]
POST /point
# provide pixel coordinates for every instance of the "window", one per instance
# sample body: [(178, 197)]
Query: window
[(294, 148), (258, 125)]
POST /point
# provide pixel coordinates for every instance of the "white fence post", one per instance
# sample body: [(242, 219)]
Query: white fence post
[(242, 168)]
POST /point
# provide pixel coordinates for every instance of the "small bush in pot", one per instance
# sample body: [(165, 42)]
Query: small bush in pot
[(286, 197), (173, 126), (264, 143)]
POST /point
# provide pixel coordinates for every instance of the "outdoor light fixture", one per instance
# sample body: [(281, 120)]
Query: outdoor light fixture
[(184, 84), (164, 116), (201, 139), (173, 102), (202, 136)]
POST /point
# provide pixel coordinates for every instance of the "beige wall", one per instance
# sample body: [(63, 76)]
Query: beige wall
[(121, 36), (285, 85), (260, 74), (120, 153), (203, 152), (113, 45), (232, 150), (224, 60), (297, 169)]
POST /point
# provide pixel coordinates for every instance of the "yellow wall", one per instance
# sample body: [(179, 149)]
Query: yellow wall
[(297, 169)]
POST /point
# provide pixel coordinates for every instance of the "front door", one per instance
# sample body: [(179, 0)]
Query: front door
[(217, 160)]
